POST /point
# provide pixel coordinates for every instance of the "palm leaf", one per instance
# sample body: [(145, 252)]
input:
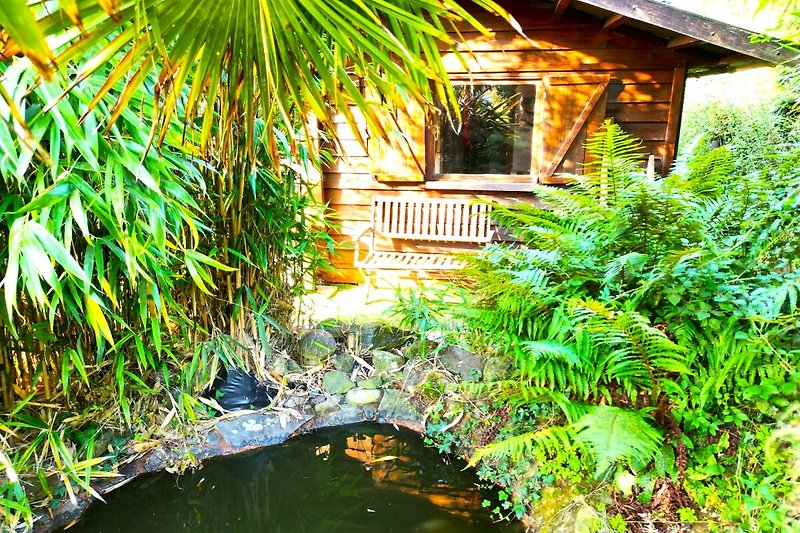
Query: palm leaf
[(280, 59)]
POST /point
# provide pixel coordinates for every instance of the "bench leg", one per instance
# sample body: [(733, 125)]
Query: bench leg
[(370, 279)]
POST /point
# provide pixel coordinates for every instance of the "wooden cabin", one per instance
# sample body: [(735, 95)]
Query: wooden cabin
[(528, 104)]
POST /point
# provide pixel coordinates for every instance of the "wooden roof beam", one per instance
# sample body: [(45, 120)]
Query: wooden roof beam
[(735, 59), (614, 21), (705, 29), (561, 6), (682, 41)]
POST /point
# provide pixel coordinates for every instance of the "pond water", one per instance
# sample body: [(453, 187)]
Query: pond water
[(353, 478)]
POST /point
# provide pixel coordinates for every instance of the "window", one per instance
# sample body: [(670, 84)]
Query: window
[(510, 134), (495, 132)]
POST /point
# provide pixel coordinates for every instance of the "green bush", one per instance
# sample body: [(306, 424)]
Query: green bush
[(660, 316), (753, 133)]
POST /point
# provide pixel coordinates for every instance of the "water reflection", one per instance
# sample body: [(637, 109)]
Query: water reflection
[(360, 478)]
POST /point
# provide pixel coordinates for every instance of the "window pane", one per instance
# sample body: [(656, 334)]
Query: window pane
[(495, 133)]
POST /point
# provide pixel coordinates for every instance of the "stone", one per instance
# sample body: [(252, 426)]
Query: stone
[(295, 402), (371, 383), (366, 333), (321, 398), (336, 382), (344, 415), (343, 361), (316, 346), (293, 365), (388, 337), (258, 429), (435, 335), (419, 349), (359, 397), (462, 362), (335, 327), (328, 404), (414, 375), (280, 366), (203, 446), (396, 406), (387, 362), (283, 365)]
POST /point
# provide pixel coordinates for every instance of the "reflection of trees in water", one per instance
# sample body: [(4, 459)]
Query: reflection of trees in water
[(319, 483), (398, 465), (278, 490)]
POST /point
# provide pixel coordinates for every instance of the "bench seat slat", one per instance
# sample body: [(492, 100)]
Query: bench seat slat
[(425, 220), (409, 261)]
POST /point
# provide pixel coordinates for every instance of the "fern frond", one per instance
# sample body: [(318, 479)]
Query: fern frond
[(708, 173), (636, 351), (550, 440), (615, 435), (624, 265), (551, 351), (615, 159), (780, 299)]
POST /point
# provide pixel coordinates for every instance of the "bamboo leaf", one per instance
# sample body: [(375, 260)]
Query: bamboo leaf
[(202, 258), (50, 196), (192, 268), (20, 22), (57, 251), (97, 319)]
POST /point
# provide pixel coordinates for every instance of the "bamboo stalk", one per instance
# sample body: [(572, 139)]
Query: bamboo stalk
[(5, 377)]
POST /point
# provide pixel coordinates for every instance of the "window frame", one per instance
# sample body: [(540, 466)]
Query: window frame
[(485, 181)]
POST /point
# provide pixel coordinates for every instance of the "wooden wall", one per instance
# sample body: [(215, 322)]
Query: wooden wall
[(644, 97)]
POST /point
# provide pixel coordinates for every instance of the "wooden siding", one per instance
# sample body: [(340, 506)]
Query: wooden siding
[(644, 97)]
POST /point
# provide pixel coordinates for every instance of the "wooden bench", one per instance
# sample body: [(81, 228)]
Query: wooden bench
[(425, 220)]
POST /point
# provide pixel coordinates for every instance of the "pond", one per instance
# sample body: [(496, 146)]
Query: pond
[(352, 478)]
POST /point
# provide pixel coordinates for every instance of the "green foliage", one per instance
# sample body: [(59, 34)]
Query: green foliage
[(674, 297), (548, 440), (752, 133), (616, 436), (131, 273), (287, 58), (427, 313)]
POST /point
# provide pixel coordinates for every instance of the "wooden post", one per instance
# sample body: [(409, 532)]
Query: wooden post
[(674, 118)]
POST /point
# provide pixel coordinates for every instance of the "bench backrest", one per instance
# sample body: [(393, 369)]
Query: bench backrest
[(432, 219)]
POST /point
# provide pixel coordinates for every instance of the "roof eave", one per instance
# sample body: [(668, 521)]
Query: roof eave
[(698, 27)]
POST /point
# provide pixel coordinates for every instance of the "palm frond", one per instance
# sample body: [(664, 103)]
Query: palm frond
[(272, 58)]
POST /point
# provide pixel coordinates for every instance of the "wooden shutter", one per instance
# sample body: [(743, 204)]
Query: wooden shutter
[(572, 108), (401, 156)]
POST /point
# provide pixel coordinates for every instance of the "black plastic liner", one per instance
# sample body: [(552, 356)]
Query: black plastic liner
[(237, 390)]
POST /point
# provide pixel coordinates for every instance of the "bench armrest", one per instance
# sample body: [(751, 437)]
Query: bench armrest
[(357, 242)]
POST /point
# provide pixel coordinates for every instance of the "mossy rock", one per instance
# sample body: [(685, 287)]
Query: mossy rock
[(336, 382), (462, 362), (387, 363), (316, 346)]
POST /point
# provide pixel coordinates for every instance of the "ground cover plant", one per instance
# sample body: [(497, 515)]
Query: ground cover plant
[(653, 330)]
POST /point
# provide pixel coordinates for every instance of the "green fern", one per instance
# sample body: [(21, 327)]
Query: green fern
[(550, 440), (678, 296), (615, 159), (615, 436)]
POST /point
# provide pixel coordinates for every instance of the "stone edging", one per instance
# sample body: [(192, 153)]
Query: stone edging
[(243, 432)]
